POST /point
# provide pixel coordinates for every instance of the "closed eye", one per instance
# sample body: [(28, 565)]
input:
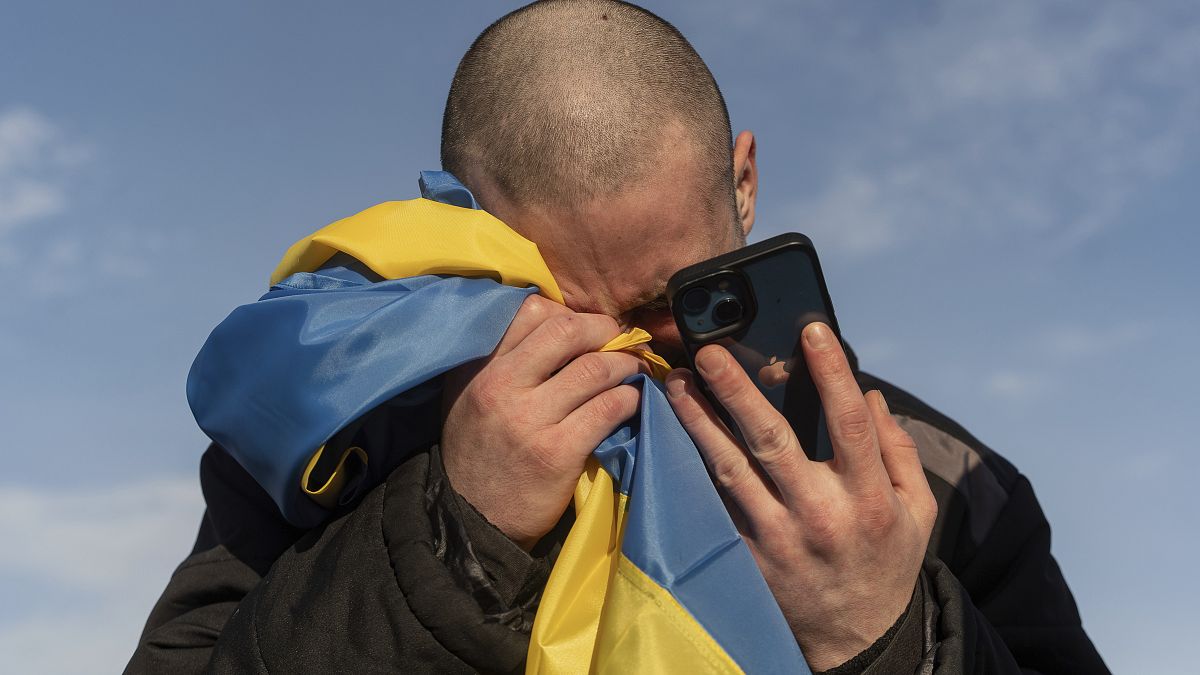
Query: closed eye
[(655, 305)]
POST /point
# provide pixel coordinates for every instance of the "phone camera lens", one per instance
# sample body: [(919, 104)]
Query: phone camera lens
[(695, 300), (727, 311)]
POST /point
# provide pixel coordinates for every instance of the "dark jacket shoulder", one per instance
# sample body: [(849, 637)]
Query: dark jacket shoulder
[(996, 600)]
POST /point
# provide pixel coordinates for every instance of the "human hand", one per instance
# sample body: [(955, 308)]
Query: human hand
[(841, 542), (520, 425)]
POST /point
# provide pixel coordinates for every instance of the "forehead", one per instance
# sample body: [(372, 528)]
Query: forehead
[(614, 252), (622, 250)]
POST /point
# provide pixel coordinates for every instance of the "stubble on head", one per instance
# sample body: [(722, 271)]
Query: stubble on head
[(593, 128)]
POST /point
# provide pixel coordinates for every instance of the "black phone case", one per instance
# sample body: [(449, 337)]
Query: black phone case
[(787, 291)]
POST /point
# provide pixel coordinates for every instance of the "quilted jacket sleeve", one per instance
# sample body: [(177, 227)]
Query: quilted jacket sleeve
[(411, 579)]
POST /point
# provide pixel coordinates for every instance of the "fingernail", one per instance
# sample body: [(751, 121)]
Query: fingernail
[(675, 386), (818, 335), (711, 362), (882, 402)]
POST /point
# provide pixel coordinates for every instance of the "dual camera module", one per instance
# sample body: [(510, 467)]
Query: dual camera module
[(722, 301)]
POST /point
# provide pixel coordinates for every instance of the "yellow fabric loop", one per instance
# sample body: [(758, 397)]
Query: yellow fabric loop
[(629, 342), (327, 494), (421, 236)]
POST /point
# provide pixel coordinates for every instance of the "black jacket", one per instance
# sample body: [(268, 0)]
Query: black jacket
[(413, 579)]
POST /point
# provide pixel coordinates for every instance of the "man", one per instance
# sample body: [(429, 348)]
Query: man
[(593, 129)]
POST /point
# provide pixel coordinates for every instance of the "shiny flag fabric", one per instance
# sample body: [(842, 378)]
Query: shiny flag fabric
[(653, 576)]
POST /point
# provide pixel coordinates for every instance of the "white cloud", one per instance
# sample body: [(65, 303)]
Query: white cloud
[(38, 163), (23, 136), (1076, 341), (35, 157), (121, 527), (1016, 385), (23, 200), (63, 264), (1007, 119), (110, 549)]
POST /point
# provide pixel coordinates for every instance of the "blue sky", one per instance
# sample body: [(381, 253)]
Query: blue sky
[(1003, 194)]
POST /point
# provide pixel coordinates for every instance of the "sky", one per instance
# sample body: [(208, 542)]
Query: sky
[(1003, 196)]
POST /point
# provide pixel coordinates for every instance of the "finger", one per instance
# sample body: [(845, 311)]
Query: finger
[(900, 458), (734, 472), (767, 433), (598, 418), (534, 311), (582, 379), (850, 425), (553, 344)]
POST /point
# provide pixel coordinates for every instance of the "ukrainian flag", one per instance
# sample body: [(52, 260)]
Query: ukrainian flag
[(362, 318)]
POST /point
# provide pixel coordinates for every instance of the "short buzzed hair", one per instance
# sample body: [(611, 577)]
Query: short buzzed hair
[(565, 101)]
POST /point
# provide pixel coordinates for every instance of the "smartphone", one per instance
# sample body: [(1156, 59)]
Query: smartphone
[(755, 302)]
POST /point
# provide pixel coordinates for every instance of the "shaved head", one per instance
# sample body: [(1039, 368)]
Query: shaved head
[(564, 102)]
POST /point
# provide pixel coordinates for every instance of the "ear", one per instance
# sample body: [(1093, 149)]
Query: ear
[(745, 178)]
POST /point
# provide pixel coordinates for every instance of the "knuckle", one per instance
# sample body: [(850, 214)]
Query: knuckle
[(607, 323), (773, 442), (929, 506), (821, 524), (563, 330), (536, 310), (902, 440), (546, 443), (731, 473), (483, 395), (535, 306), (491, 388), (592, 368), (608, 407), (854, 424), (547, 306), (877, 512), (624, 401)]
